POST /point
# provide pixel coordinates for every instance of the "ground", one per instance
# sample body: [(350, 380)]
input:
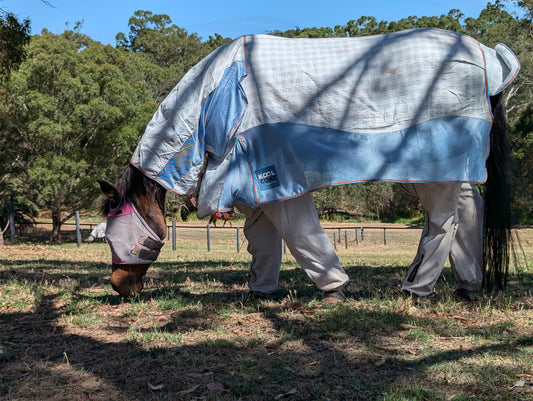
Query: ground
[(193, 335)]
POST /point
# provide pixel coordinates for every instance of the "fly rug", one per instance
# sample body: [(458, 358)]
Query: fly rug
[(263, 118)]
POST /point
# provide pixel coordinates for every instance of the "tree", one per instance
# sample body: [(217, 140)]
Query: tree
[(168, 46), (14, 36), (324, 32), (85, 107), (365, 25)]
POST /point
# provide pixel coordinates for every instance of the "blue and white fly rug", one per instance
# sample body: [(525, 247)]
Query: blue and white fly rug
[(264, 119)]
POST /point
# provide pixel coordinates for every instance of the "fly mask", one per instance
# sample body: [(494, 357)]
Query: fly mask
[(130, 238)]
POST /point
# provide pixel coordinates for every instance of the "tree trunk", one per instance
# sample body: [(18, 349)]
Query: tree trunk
[(2, 231), (56, 226)]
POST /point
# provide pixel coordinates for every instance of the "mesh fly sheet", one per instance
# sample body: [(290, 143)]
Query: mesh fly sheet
[(264, 119)]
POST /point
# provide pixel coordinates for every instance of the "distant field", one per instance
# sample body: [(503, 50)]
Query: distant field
[(192, 335)]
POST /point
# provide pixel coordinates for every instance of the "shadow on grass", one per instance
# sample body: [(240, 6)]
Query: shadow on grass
[(43, 359)]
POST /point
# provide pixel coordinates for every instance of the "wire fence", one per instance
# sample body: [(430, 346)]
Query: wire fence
[(208, 237), (344, 236)]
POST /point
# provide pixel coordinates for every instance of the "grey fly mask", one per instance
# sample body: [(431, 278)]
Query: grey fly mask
[(130, 238)]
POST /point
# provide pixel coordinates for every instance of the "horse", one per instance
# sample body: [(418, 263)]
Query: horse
[(264, 119), (98, 232)]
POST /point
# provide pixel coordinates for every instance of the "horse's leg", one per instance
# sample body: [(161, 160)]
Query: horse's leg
[(297, 221), (440, 203), (466, 254), (264, 244)]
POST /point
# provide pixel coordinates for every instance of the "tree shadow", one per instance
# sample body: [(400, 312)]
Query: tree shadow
[(40, 347)]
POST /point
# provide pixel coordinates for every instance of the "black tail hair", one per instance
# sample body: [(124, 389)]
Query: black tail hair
[(497, 231)]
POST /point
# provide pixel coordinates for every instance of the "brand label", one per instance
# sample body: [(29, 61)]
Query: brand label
[(267, 178)]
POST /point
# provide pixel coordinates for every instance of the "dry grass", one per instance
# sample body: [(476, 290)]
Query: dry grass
[(64, 334)]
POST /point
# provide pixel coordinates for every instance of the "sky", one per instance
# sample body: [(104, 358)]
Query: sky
[(102, 20)]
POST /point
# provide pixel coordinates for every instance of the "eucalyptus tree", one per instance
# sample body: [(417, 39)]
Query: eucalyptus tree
[(14, 36), (84, 107), (168, 46)]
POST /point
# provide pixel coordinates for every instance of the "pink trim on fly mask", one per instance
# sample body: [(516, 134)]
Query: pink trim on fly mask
[(118, 261), (123, 209)]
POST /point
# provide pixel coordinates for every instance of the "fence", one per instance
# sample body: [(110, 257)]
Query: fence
[(341, 236), (208, 236)]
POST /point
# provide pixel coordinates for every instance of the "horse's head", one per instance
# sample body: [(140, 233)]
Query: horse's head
[(135, 227)]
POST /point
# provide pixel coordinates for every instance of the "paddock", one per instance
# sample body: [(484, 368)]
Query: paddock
[(65, 334)]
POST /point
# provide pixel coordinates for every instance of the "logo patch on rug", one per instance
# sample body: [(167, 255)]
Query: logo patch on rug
[(267, 178)]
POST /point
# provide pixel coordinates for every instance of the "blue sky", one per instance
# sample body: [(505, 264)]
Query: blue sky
[(104, 19)]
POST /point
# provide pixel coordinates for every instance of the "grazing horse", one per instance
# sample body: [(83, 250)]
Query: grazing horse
[(265, 119)]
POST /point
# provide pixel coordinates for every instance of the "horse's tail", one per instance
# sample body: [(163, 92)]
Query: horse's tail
[(497, 231)]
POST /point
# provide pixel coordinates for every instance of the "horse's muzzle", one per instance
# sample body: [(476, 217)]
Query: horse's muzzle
[(127, 279)]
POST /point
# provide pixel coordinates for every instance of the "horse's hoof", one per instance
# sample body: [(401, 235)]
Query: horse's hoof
[(257, 295), (465, 295), (334, 297), (422, 299)]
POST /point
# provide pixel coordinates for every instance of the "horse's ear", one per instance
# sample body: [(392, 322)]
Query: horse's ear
[(109, 190)]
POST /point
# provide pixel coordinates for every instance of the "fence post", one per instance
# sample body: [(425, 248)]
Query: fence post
[(284, 247), (11, 213), (335, 240), (384, 236), (362, 234), (208, 239), (346, 239), (238, 239), (174, 234), (339, 235), (356, 236), (78, 229)]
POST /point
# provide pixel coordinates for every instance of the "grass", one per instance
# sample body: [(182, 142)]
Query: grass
[(192, 335)]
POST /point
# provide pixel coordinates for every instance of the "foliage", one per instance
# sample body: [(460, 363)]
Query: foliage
[(383, 201), (24, 213), (167, 46), (522, 133), (84, 103), (14, 35)]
